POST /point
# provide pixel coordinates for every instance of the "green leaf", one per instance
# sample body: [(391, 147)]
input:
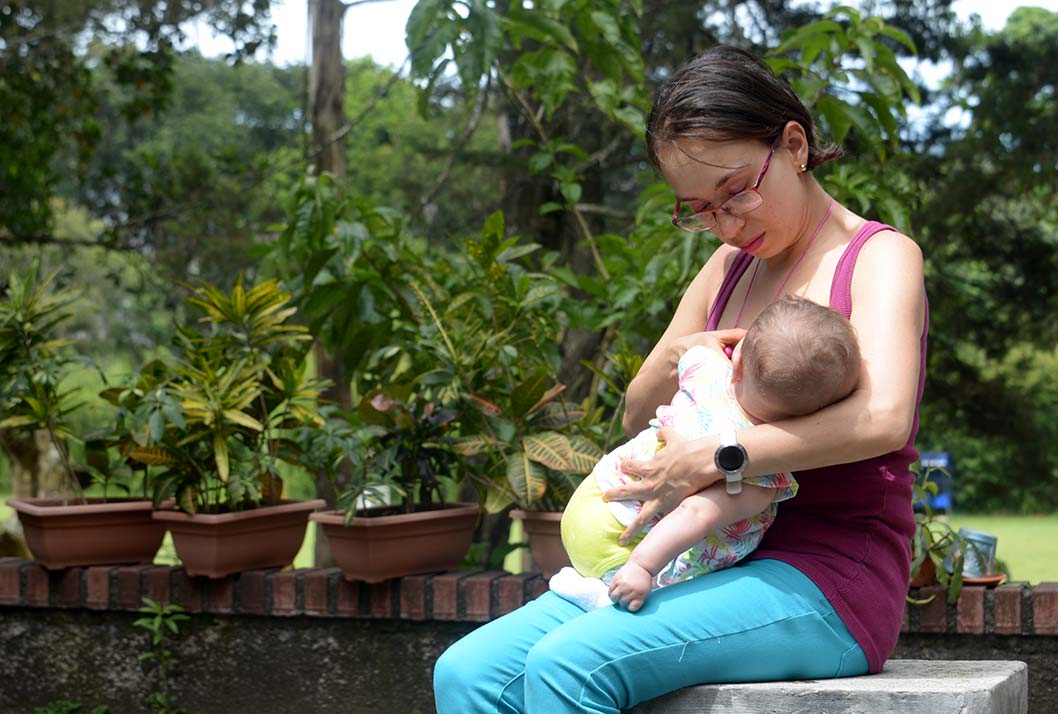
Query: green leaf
[(220, 454), (584, 454), (526, 478), (550, 449)]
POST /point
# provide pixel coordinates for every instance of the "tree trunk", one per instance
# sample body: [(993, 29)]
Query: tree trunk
[(36, 467), (327, 95)]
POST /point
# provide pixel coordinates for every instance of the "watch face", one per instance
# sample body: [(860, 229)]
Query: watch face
[(730, 458)]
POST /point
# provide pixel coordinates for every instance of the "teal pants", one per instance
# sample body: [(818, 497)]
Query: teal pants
[(758, 621)]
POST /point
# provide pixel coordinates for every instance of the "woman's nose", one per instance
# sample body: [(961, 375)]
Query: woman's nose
[(727, 225)]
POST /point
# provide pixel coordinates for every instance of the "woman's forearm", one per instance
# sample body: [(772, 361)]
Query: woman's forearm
[(650, 388)]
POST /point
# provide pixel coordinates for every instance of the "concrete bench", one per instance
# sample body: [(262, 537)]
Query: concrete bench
[(908, 686)]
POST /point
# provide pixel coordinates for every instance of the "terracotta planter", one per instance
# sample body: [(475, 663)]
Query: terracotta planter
[(927, 574), (377, 548), (94, 533), (543, 530), (215, 545)]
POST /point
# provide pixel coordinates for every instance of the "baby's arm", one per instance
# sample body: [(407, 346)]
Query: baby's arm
[(697, 515)]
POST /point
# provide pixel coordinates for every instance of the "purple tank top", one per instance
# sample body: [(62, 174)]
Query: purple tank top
[(849, 529)]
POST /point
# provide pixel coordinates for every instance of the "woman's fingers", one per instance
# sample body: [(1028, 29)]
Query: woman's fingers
[(730, 337), (646, 513)]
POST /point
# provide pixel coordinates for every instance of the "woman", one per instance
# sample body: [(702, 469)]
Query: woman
[(823, 596)]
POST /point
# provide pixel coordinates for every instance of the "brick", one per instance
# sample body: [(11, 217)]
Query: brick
[(970, 610), (159, 584), (66, 587), (284, 593), (347, 598), (190, 591), (537, 587), (380, 599), (129, 594), (446, 596), (315, 586), (37, 585), (1008, 610), (932, 617), (250, 591), (477, 596), (220, 594), (97, 587), (510, 592), (1045, 609), (10, 581), (413, 597)]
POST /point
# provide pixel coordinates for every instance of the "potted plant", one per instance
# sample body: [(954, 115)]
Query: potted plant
[(399, 451), (937, 550), (34, 360), (219, 423)]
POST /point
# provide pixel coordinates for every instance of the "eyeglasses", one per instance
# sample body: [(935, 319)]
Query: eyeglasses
[(740, 204)]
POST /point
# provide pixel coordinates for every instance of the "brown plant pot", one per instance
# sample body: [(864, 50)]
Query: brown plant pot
[(376, 548), (93, 533), (543, 529), (927, 574), (215, 545)]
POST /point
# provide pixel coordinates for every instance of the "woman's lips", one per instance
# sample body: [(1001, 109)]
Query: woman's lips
[(752, 245)]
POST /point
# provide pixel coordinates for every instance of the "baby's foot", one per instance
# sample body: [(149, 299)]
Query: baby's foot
[(586, 593)]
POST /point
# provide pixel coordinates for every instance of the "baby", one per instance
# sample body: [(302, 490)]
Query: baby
[(796, 358)]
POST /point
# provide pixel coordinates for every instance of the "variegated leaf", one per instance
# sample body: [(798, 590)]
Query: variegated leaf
[(471, 445), (555, 415), (526, 478), (220, 453), (550, 449), (153, 456), (584, 454)]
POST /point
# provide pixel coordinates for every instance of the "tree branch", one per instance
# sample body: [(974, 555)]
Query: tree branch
[(472, 126)]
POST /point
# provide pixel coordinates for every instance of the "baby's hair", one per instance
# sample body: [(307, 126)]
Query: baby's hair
[(802, 355)]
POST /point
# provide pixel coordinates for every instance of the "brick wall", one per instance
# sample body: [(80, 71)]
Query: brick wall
[(365, 647), (1011, 609)]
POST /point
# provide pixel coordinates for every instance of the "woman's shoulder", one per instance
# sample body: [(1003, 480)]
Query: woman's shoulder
[(889, 248)]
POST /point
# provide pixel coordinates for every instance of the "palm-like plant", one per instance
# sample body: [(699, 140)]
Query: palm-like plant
[(33, 362), (241, 385)]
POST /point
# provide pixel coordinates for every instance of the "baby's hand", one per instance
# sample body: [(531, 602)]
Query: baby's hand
[(630, 586)]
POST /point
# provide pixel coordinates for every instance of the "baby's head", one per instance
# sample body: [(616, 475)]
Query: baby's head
[(796, 358)]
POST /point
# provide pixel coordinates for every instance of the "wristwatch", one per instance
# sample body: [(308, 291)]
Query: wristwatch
[(731, 459)]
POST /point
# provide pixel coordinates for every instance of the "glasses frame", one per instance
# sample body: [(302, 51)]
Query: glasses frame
[(713, 211)]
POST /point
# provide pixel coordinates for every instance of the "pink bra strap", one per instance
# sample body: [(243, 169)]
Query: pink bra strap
[(734, 274), (841, 286)]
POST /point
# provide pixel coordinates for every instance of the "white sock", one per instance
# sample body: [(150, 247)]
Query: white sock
[(586, 593)]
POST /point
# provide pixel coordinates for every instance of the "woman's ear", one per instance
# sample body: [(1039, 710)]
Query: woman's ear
[(796, 142)]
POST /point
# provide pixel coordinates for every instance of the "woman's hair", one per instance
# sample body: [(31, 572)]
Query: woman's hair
[(728, 94), (801, 355)]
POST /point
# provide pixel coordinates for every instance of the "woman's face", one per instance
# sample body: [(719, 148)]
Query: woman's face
[(704, 174)]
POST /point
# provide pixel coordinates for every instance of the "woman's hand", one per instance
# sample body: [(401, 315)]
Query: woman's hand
[(630, 586), (721, 341), (672, 474)]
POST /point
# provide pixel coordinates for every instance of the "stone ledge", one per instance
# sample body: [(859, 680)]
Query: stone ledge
[(464, 596), (904, 687)]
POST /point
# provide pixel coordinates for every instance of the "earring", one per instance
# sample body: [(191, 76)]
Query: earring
[(804, 168)]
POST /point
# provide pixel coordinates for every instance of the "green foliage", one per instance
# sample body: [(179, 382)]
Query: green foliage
[(34, 361), (52, 98), (935, 540), (216, 421), (161, 623)]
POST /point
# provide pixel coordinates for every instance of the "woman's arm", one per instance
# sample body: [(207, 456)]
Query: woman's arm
[(888, 313), (656, 382)]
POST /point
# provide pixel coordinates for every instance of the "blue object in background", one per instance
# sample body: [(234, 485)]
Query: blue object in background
[(940, 469)]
